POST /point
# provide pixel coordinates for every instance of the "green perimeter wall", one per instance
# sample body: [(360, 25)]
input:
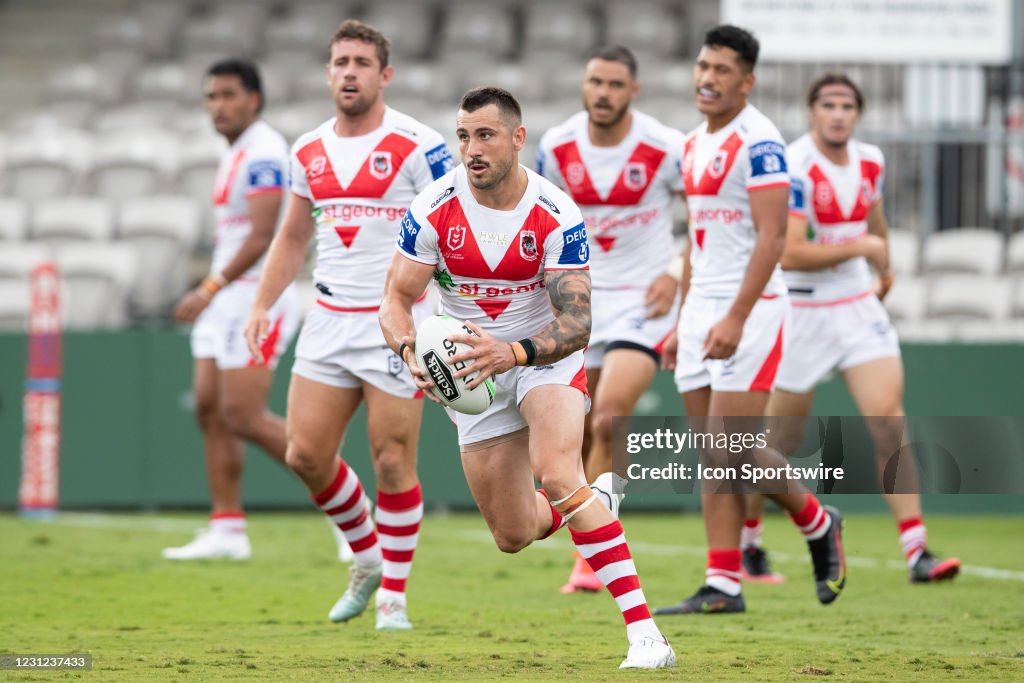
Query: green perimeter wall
[(129, 439)]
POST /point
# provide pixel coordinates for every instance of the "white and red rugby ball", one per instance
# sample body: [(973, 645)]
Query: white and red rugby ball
[(433, 349)]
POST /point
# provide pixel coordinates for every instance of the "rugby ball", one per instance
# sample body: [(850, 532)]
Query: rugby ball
[(433, 349)]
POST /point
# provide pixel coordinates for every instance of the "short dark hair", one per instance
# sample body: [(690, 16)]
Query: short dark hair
[(615, 53), (246, 71), (353, 29), (740, 40), (833, 78), (508, 106)]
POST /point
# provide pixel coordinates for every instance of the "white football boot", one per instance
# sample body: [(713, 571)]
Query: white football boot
[(605, 486), (211, 544), (649, 652)]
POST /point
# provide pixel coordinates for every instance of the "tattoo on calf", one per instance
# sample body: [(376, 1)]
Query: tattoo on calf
[(569, 292)]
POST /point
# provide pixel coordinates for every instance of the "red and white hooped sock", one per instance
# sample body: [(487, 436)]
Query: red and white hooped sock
[(813, 521), (913, 538), (723, 570), (606, 551), (398, 518), (228, 522), (343, 501), (750, 536), (557, 521)]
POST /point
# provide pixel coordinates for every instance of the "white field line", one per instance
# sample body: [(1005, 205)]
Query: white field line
[(563, 545), (172, 525)]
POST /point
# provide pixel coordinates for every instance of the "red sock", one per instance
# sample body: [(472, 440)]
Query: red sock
[(751, 534), (913, 538), (556, 517), (723, 570), (812, 520), (343, 501), (398, 528), (228, 522), (606, 551)]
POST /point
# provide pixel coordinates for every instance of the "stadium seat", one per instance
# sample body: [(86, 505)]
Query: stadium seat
[(225, 32), (666, 79), (162, 82), (161, 25), (906, 300), (197, 169), (72, 219), (102, 83), (134, 163), (558, 32), (296, 118), (144, 115), (904, 251), (1017, 305), (95, 281), (968, 297), (13, 220), (14, 305), (17, 259), (476, 30), (409, 24), (1003, 332), (926, 331), (425, 83), (1015, 255), (963, 250), (647, 28), (164, 230), (44, 164), (75, 116), (303, 35)]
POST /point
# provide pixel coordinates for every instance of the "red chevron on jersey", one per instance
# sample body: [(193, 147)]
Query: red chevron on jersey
[(606, 243), (347, 233), (633, 181), (458, 245), (222, 192), (826, 207), (373, 179), (493, 308), (698, 236), (715, 172)]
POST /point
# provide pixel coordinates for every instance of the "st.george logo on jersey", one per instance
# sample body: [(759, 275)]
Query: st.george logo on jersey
[(456, 237), (718, 165), (635, 177), (575, 173), (528, 245), (316, 167), (822, 194), (380, 164)]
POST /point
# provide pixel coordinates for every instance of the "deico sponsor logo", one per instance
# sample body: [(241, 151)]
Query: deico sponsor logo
[(726, 216)]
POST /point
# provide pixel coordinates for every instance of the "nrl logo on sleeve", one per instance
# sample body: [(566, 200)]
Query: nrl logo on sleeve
[(635, 176), (441, 197), (548, 203), (528, 245), (456, 237), (380, 165)]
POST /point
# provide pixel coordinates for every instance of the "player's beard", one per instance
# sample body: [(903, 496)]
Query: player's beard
[(498, 172), (356, 107), (617, 116)]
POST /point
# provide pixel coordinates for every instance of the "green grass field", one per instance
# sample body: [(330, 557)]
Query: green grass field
[(97, 584)]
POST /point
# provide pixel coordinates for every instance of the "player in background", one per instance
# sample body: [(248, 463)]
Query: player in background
[(623, 169), (837, 230), (352, 178), (731, 325), (231, 388), (513, 251)]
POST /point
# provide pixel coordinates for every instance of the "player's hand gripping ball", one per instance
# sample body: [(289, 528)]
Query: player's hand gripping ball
[(433, 349)]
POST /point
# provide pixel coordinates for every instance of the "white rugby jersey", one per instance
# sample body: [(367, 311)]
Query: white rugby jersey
[(625, 193), (255, 163), (836, 201), (360, 188), (490, 264), (719, 172)]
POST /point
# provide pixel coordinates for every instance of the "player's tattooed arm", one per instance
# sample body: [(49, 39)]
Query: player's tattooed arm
[(569, 292)]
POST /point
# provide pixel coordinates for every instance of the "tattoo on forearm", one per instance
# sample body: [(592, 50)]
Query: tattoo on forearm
[(569, 291)]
